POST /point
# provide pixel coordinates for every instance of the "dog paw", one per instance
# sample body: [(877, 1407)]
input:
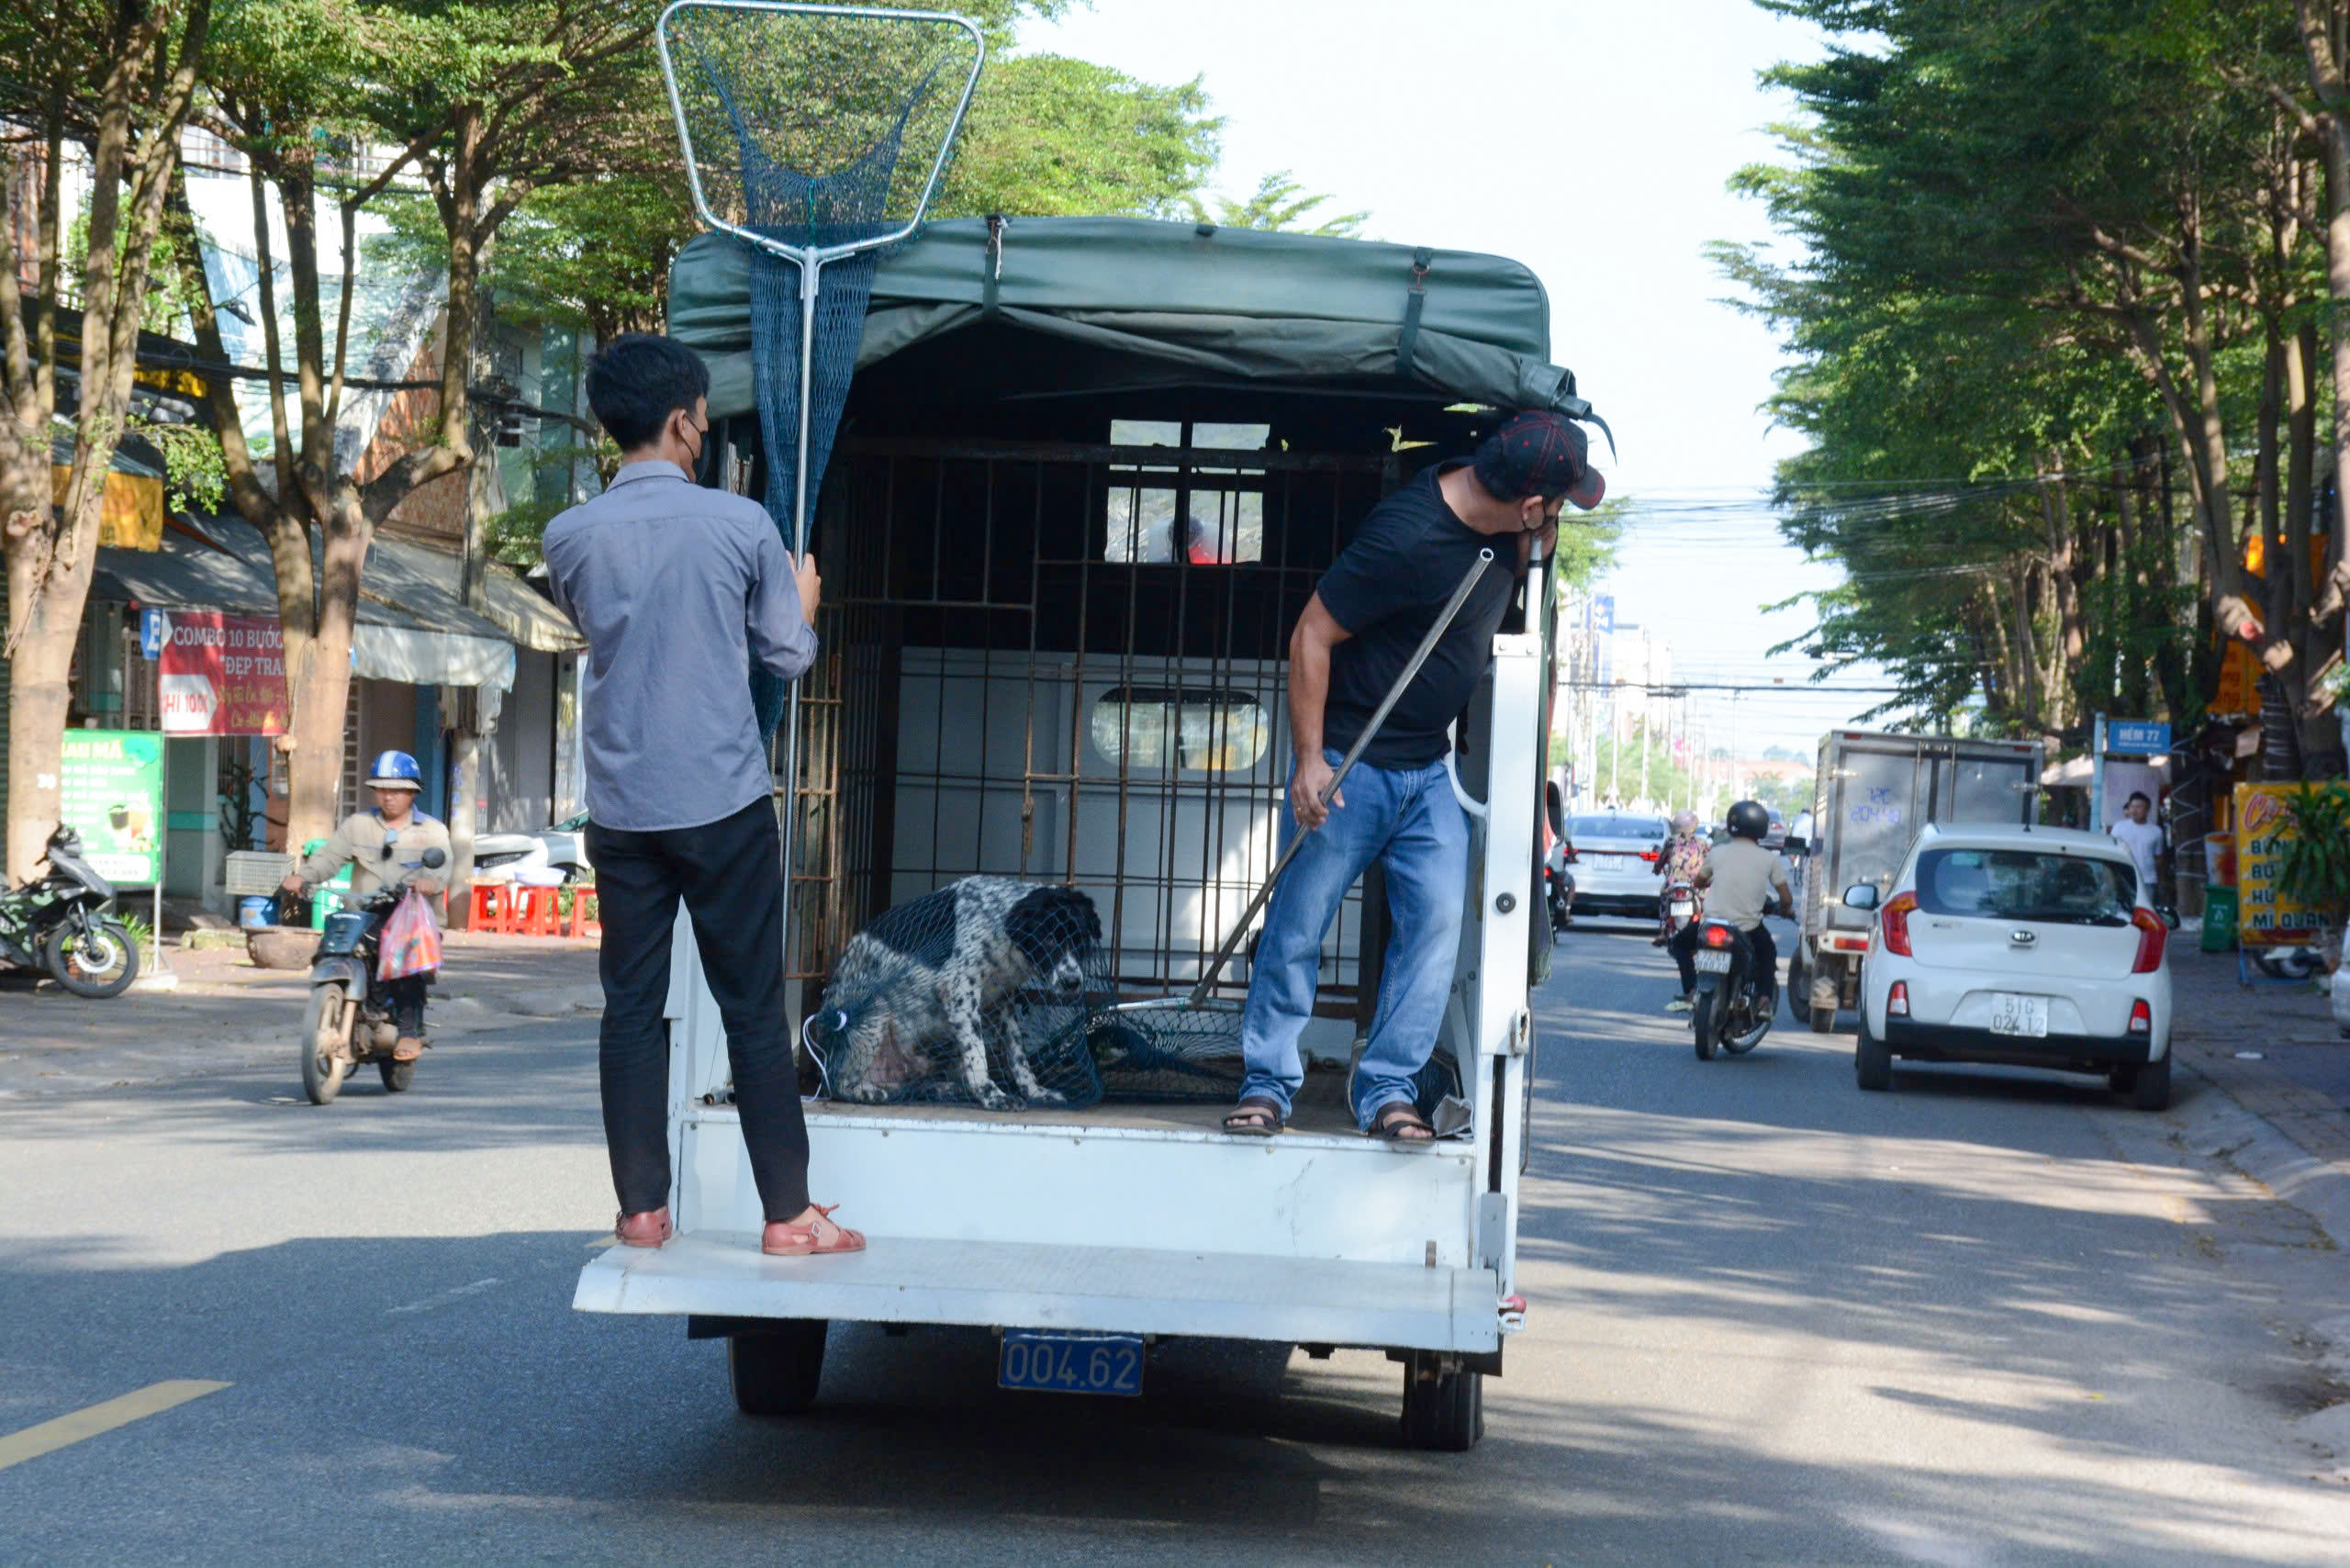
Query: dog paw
[(995, 1099), (868, 1094), (1048, 1097)]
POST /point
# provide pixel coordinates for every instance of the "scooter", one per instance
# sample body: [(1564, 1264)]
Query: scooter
[(60, 922), (1729, 1009), (350, 1017), (1558, 889), (1677, 907)]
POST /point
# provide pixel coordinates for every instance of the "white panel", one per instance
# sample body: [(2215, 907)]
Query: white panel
[(1112, 1290), (1300, 1195)]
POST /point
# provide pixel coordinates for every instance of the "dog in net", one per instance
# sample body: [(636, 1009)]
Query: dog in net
[(975, 995)]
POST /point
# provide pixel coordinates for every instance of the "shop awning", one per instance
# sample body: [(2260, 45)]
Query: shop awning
[(411, 627)]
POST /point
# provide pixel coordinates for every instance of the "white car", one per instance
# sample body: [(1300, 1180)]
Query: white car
[(2026, 947), (1614, 857)]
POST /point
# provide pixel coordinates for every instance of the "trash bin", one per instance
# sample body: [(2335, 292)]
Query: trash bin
[(2219, 919)]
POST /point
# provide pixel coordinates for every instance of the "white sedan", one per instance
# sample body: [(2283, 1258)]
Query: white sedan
[(2026, 947)]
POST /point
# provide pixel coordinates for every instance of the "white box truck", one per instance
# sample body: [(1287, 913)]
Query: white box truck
[(1872, 794)]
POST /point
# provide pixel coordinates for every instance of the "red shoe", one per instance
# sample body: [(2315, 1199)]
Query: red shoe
[(784, 1240), (650, 1229)]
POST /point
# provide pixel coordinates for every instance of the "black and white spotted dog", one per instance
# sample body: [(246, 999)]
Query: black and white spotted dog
[(937, 972)]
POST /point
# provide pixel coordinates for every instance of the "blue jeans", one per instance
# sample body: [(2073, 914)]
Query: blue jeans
[(1410, 824)]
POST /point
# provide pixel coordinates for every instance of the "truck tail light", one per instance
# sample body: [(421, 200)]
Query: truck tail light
[(2142, 1017), (1896, 1001), (2152, 936), (1894, 920)]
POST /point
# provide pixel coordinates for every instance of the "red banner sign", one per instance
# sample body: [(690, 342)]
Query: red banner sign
[(221, 675)]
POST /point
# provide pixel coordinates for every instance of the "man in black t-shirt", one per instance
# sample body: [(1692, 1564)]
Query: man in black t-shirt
[(1358, 632)]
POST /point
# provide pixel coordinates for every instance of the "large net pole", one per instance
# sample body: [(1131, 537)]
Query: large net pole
[(795, 120)]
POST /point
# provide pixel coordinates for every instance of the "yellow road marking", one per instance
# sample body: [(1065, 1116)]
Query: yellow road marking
[(105, 1417)]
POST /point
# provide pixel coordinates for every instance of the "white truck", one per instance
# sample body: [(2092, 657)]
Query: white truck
[(1872, 794), (1012, 592)]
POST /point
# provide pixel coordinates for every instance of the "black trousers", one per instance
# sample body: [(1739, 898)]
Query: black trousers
[(404, 997), (729, 875), (1764, 952)]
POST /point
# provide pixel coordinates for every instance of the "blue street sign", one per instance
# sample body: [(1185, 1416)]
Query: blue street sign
[(2136, 738), (154, 631), (1603, 614)]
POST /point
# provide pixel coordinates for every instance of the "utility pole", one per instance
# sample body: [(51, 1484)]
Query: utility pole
[(1733, 745)]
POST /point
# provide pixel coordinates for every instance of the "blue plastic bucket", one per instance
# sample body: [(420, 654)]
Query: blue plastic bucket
[(253, 914)]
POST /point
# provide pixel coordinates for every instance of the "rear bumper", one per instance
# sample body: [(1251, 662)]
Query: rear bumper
[(2076, 1053), (1110, 1290)]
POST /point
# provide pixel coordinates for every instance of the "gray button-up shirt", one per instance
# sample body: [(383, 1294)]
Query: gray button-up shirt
[(674, 587)]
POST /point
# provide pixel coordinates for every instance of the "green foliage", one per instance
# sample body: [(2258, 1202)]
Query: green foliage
[(1279, 202), (2313, 859), (2004, 210), (1589, 542), (195, 477)]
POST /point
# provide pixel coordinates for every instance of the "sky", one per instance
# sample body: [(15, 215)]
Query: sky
[(1593, 141)]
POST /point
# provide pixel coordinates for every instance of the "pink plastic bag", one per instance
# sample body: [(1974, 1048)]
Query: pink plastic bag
[(411, 941)]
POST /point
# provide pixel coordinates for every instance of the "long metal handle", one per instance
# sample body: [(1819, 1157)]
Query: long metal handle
[(1346, 766)]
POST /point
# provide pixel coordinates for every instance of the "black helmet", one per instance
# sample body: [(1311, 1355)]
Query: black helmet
[(1749, 819)]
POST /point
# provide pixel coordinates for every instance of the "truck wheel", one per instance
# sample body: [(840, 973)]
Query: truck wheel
[(2151, 1092), (1444, 1411), (323, 1063), (776, 1373), (1799, 992), (1872, 1061), (398, 1075)]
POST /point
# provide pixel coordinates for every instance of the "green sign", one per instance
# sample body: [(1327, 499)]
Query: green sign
[(113, 789)]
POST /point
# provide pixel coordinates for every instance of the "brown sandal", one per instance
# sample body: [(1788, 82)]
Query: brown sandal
[(1395, 1119), (784, 1240), (650, 1229), (1256, 1116)]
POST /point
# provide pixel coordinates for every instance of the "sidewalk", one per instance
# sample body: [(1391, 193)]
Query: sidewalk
[(226, 1013), (2273, 1049)]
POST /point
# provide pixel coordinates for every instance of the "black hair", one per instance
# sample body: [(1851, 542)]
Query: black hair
[(639, 379), (2137, 795)]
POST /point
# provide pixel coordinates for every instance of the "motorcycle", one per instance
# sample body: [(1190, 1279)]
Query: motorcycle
[(60, 922), (350, 1017), (1729, 1009), (1677, 907), (1559, 887)]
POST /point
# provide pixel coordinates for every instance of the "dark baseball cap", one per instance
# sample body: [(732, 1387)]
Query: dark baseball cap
[(1539, 454)]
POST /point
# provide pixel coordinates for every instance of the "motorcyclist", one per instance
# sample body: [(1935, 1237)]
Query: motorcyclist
[(1741, 878), (381, 846), (1681, 860)]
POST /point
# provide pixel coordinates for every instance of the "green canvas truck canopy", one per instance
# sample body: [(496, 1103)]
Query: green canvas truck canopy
[(1182, 300)]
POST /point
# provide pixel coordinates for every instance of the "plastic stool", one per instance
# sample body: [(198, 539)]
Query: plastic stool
[(582, 895), (535, 913)]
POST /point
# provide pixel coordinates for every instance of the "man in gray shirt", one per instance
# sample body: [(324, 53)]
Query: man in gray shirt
[(677, 588)]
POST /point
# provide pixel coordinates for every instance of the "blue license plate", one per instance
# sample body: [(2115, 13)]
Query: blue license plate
[(1051, 1363)]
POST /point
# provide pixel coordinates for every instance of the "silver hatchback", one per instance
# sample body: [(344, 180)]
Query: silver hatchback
[(1615, 863)]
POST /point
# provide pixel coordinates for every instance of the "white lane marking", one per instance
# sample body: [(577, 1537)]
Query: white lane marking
[(444, 1298)]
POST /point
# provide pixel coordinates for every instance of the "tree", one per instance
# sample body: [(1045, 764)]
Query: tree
[(1279, 203), (2037, 230), (483, 105), (113, 82)]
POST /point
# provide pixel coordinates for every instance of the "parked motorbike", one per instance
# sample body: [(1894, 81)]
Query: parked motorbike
[(350, 1017), (1730, 1010), (60, 922)]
